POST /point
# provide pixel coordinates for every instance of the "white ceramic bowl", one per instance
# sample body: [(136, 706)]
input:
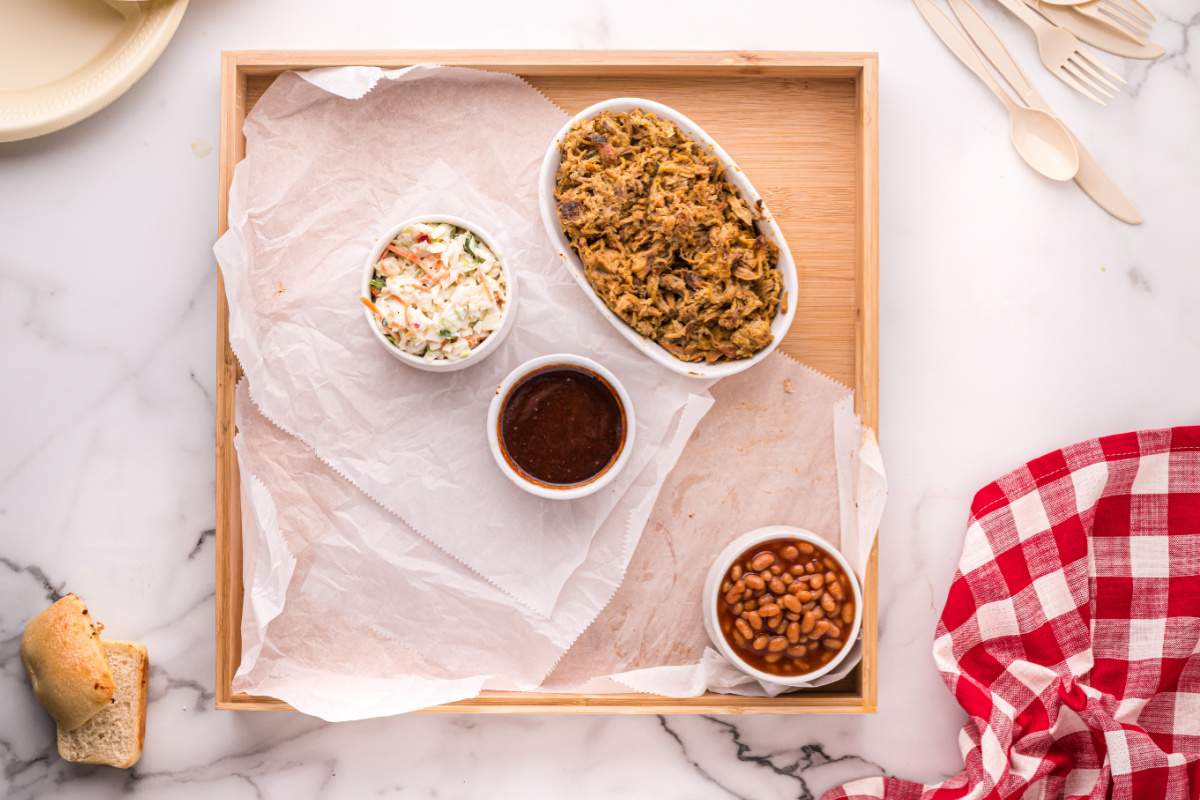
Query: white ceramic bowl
[(548, 491), (712, 587), (490, 345), (733, 173)]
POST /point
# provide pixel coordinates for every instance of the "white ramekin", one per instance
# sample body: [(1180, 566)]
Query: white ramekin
[(733, 173), (574, 491), (712, 588), (490, 345)]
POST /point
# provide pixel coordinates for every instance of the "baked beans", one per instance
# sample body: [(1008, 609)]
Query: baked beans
[(785, 607)]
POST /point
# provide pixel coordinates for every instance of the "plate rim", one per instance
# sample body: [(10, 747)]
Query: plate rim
[(37, 111)]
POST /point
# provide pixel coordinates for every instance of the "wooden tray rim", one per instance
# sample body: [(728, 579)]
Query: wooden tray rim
[(863, 68)]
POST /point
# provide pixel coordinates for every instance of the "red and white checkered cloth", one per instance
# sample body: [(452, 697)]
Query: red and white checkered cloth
[(1071, 634)]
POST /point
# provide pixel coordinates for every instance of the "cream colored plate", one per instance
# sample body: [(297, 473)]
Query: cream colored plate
[(64, 60)]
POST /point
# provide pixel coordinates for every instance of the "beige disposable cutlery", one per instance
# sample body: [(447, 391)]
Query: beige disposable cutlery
[(1124, 16), (1089, 177), (1043, 141), (1130, 4), (128, 8), (1066, 58), (1097, 34)]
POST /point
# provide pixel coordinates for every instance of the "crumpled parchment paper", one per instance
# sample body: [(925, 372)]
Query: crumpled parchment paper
[(348, 613), (781, 446), (333, 157)]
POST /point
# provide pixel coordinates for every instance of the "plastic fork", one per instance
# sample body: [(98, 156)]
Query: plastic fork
[(1130, 17), (1066, 57), (1138, 3)]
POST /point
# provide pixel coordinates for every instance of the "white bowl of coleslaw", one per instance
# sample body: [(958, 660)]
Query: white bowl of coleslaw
[(437, 294)]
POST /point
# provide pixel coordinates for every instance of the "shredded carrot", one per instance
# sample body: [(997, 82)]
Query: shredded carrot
[(436, 277), (404, 304), (409, 255), (374, 308), (417, 261), (443, 270)]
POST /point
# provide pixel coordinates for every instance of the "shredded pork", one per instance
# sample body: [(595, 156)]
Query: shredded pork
[(664, 238)]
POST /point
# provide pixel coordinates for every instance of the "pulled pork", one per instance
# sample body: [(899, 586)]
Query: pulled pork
[(665, 240)]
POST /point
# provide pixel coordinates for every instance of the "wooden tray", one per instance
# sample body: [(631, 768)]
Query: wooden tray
[(803, 125)]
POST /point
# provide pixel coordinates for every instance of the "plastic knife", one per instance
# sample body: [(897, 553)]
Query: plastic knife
[(1097, 34), (1091, 177)]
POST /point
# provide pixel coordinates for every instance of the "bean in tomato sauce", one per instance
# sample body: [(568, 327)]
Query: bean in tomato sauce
[(786, 607)]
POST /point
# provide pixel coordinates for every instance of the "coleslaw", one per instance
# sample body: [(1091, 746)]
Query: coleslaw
[(437, 291)]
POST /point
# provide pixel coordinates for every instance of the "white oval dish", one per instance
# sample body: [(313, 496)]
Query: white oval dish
[(767, 226), (716, 574), (490, 345), (574, 491), (92, 57)]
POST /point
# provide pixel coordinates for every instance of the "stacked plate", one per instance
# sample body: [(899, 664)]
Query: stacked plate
[(64, 60)]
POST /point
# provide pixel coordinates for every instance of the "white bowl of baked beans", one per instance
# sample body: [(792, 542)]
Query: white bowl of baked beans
[(782, 605)]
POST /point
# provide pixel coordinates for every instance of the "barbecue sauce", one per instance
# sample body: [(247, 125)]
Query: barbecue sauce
[(562, 426)]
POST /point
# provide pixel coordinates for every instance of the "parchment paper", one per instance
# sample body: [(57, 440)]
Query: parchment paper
[(771, 452), (323, 174), (348, 613)]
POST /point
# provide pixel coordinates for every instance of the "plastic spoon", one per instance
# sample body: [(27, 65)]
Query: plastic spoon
[(1039, 138)]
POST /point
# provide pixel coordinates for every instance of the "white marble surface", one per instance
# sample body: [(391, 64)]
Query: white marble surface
[(1016, 317)]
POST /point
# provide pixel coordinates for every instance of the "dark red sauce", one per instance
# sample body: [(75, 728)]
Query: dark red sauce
[(562, 426)]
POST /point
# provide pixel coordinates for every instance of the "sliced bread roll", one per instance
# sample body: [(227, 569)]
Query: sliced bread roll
[(61, 652), (115, 735)]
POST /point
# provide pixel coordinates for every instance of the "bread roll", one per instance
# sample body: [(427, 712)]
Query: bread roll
[(115, 735), (61, 652)]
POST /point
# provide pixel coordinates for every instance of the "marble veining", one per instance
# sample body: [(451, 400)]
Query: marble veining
[(1016, 317), (1175, 33), (793, 763)]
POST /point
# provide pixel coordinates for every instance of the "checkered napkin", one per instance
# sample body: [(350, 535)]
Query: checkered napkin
[(1071, 635)]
